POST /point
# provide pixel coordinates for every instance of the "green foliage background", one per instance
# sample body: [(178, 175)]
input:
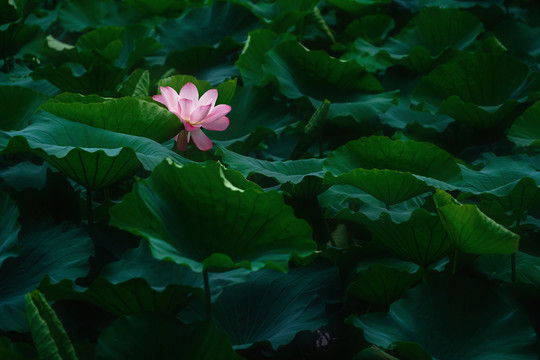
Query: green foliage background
[(375, 196)]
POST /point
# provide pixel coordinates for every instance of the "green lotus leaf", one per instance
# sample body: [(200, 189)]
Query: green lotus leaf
[(499, 267), (137, 84), (426, 37), (274, 307), (206, 61), (25, 175), (119, 46), (453, 322), (479, 90), (78, 15), (421, 238), (50, 337), (383, 283), (314, 73), (373, 27), (100, 79), (254, 116), (139, 263), (499, 176), (60, 253), (207, 25), (16, 350), (18, 104), (161, 7), (293, 171), (123, 298), (389, 186), (128, 338), (250, 61), (18, 39), (125, 115), (244, 226), (138, 282), (358, 6), (525, 131), (93, 157), (403, 117), (518, 37), (471, 230), (425, 161), (9, 227), (8, 12)]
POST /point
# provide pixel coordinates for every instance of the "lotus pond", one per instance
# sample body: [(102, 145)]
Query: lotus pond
[(280, 179)]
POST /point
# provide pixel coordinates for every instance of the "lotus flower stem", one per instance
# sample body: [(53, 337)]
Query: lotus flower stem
[(454, 265), (207, 295)]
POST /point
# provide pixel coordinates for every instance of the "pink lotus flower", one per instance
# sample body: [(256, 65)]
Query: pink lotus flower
[(195, 113)]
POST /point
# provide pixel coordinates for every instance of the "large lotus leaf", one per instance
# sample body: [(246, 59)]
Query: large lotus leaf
[(250, 62), (274, 307), (137, 84), (208, 25), (120, 46), (382, 283), (99, 79), (421, 238), (500, 267), (340, 200), (125, 115), (162, 337), (471, 230), (93, 157), (525, 131), (18, 104), (139, 263), (21, 76), (25, 174), (403, 117), (254, 116), (139, 282), (358, 6), (314, 73), (292, 171), (244, 227), (206, 61), (426, 37), (281, 15), (389, 186), (424, 160), (467, 320), (499, 176), (518, 37), (59, 252), (478, 90), (78, 15), (123, 298), (161, 7), (18, 39), (9, 227)]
